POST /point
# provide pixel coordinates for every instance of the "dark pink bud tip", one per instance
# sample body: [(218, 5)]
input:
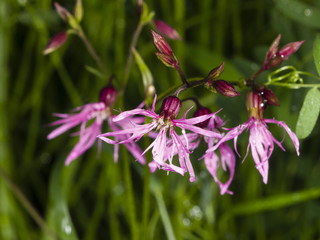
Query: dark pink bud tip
[(56, 42), (63, 13), (286, 51), (200, 112), (268, 96), (171, 107), (225, 88), (166, 30), (108, 95), (161, 44)]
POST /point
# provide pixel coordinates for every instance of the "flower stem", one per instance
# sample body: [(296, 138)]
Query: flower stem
[(164, 215), (26, 204), (129, 59), (91, 50), (130, 197)]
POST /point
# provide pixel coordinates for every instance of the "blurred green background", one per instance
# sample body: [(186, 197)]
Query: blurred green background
[(92, 198)]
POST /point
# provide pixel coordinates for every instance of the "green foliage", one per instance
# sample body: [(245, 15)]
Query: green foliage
[(308, 114), (316, 53)]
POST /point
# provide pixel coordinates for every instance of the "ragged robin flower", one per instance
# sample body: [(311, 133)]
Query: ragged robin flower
[(98, 113), (212, 161), (261, 140), (165, 124)]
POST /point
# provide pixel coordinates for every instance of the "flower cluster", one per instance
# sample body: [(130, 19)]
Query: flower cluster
[(174, 139), (98, 112)]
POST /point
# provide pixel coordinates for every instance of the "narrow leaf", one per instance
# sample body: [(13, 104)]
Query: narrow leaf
[(316, 53), (308, 114), (147, 77), (58, 217)]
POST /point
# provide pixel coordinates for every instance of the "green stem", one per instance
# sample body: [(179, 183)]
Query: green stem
[(294, 85), (130, 196), (164, 215), (26, 204), (129, 59), (91, 50)]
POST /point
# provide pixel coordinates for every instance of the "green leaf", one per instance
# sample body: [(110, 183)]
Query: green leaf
[(147, 77), (316, 52), (300, 12), (308, 114), (58, 217)]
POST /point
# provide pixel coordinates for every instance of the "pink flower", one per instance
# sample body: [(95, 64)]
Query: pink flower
[(98, 112), (211, 159), (261, 140), (166, 124)]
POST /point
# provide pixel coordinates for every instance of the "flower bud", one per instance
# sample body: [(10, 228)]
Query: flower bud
[(78, 10), (275, 57), (200, 112), (255, 105), (268, 96), (216, 72), (55, 42), (171, 107), (169, 61), (166, 30), (62, 12), (272, 50), (224, 88), (161, 44), (108, 95), (286, 51)]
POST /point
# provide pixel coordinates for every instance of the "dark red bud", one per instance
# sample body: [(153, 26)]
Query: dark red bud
[(268, 96), (171, 107), (200, 112), (55, 42), (161, 44), (108, 95), (166, 30), (225, 88), (286, 51)]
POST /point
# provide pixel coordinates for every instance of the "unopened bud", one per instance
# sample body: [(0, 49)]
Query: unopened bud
[(224, 88), (166, 30), (286, 51), (108, 95), (171, 107), (62, 12), (268, 96), (275, 57), (169, 61), (200, 112), (78, 10), (55, 42), (161, 44), (272, 50), (216, 72)]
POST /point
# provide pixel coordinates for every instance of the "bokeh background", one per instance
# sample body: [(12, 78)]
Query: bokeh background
[(91, 198)]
